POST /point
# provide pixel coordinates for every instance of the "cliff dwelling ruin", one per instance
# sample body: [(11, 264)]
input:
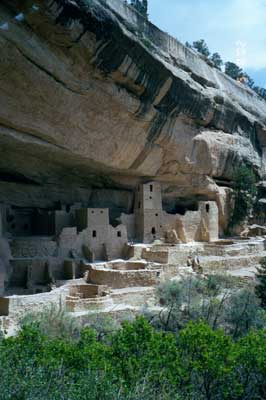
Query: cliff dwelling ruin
[(115, 170), (39, 245)]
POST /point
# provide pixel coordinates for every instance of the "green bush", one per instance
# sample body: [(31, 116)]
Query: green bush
[(208, 342), (53, 321), (137, 363), (218, 300)]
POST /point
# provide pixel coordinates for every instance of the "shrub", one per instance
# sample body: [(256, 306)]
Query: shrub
[(53, 322), (137, 362), (218, 300), (243, 313)]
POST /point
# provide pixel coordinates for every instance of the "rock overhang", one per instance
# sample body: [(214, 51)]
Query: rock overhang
[(98, 94)]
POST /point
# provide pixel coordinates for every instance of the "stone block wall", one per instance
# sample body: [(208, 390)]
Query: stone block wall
[(210, 221), (148, 196), (122, 279), (90, 217)]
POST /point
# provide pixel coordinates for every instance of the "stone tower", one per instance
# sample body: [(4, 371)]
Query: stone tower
[(148, 212)]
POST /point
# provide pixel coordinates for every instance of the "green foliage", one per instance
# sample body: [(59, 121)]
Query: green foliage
[(207, 358), (202, 345), (243, 313), (138, 362), (244, 194), (261, 282), (218, 300), (250, 369), (248, 80), (217, 60), (53, 322), (233, 70), (141, 6), (201, 47), (103, 326), (260, 91)]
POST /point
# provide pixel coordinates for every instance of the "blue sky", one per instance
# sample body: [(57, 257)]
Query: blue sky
[(234, 28)]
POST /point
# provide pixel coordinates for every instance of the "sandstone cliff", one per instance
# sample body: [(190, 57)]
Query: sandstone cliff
[(92, 96)]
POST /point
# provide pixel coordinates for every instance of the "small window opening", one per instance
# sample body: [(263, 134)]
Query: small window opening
[(94, 234), (139, 204), (150, 197), (151, 188), (153, 231), (207, 208), (156, 215), (92, 212), (68, 208), (119, 234)]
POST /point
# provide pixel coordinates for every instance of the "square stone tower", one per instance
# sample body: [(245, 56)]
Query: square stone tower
[(148, 212)]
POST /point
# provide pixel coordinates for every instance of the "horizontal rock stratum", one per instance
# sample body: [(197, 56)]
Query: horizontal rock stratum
[(93, 96)]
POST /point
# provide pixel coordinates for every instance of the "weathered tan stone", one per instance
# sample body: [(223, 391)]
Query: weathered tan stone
[(122, 279), (92, 132), (254, 230), (171, 237), (88, 291)]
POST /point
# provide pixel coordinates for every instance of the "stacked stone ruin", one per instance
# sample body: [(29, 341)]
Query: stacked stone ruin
[(76, 256)]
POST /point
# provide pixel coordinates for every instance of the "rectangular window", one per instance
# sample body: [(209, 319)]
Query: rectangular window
[(94, 234), (119, 234), (151, 188)]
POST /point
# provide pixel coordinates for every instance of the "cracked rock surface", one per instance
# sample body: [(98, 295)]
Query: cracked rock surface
[(94, 97)]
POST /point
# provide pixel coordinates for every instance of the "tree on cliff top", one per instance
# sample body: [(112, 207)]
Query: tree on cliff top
[(260, 91), (201, 47), (141, 6), (217, 60), (233, 70)]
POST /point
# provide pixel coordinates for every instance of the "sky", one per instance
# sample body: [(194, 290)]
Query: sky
[(236, 29)]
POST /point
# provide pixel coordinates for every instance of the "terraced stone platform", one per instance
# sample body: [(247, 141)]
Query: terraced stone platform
[(126, 286)]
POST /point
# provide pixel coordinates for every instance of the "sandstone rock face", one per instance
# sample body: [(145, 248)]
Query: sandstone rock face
[(93, 98)]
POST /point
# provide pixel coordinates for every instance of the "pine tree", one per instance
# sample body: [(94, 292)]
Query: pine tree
[(201, 47), (145, 7), (233, 70), (260, 289), (141, 6), (217, 60), (188, 45), (260, 91)]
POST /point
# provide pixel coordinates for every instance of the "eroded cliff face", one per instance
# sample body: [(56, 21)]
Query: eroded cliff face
[(94, 97)]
